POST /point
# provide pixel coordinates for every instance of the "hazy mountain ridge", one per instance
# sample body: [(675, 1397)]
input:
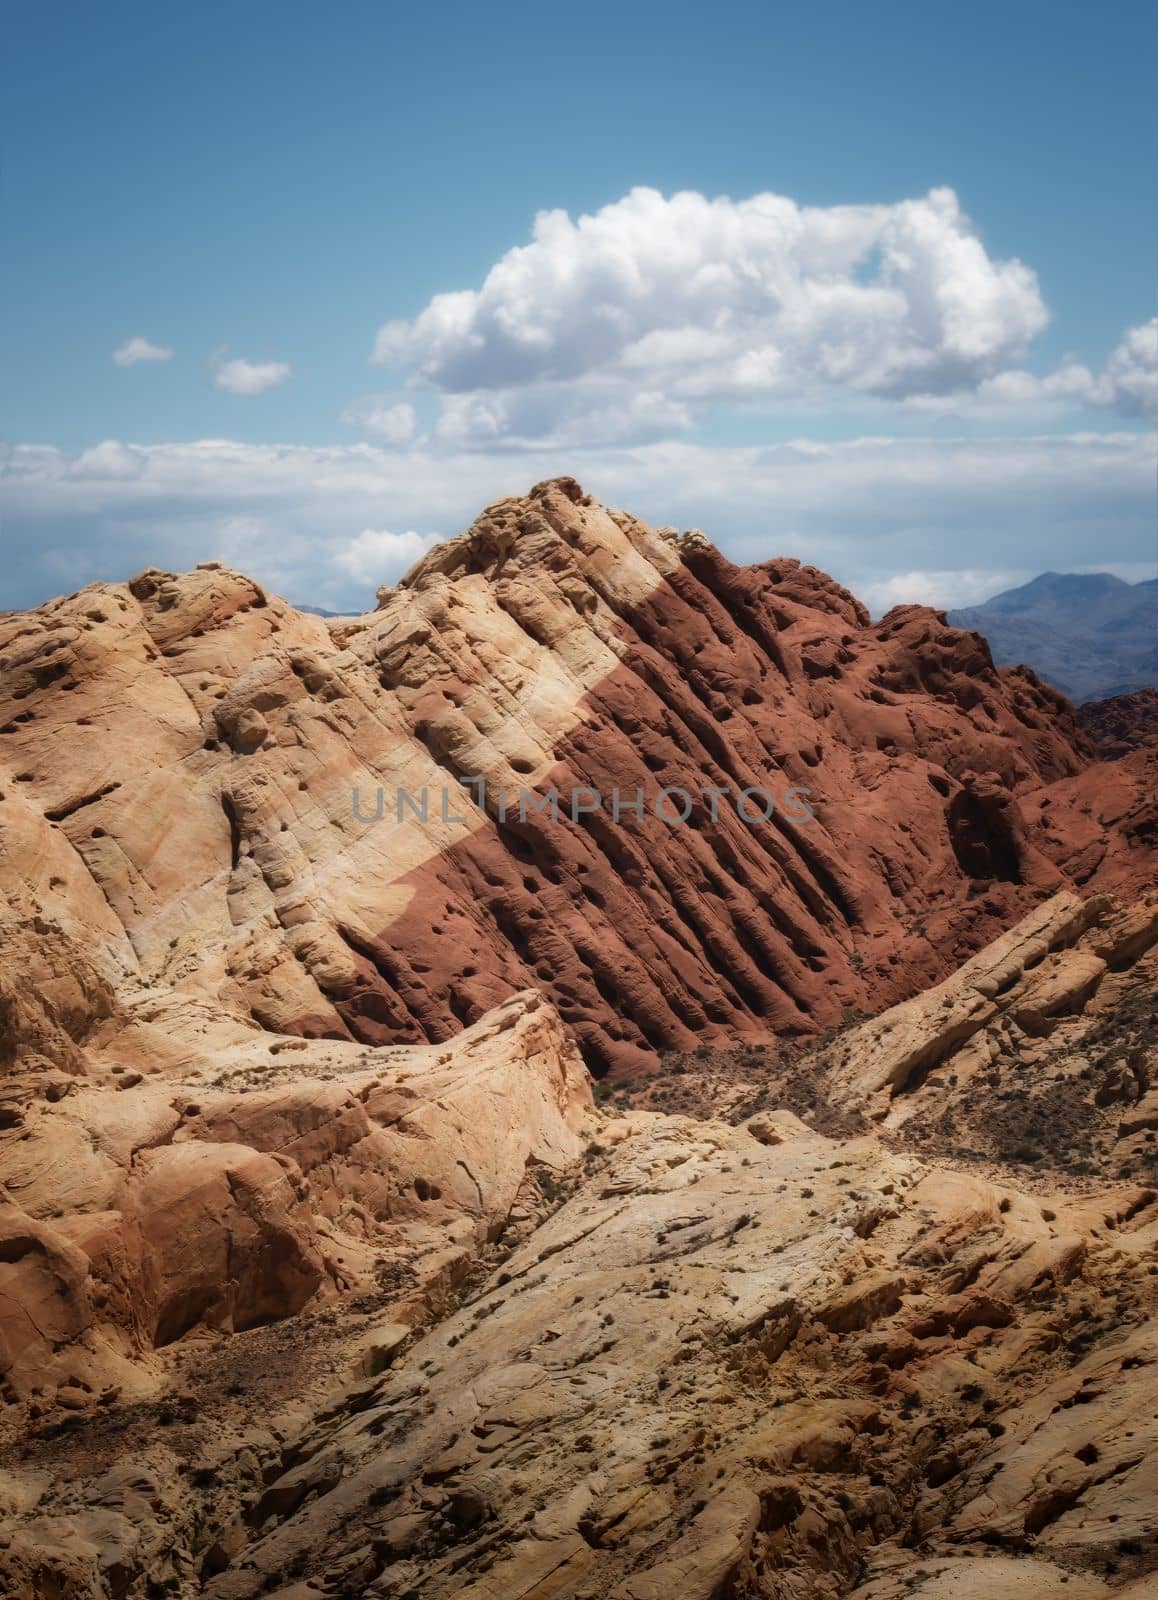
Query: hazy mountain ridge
[(1091, 635)]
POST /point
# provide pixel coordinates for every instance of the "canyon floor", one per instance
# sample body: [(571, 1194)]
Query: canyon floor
[(517, 1209)]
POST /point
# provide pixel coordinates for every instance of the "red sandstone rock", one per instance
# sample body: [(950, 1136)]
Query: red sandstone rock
[(1124, 723), (178, 758), (249, 1153)]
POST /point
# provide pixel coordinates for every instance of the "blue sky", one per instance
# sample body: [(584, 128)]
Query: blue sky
[(260, 189)]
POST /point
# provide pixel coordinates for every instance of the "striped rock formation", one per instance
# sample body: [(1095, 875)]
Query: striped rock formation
[(320, 1271), (187, 766)]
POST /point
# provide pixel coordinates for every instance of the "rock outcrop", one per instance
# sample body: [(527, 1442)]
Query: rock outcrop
[(735, 1366), (1124, 723), (1044, 967), (229, 1199), (316, 824), (746, 1359), (325, 1270), (53, 1001)]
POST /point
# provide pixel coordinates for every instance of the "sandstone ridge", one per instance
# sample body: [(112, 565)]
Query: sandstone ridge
[(179, 758), (326, 1268)]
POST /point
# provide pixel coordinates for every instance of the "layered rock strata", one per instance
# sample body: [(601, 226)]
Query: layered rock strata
[(179, 759)]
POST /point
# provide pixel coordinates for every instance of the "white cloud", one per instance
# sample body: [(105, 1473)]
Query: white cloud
[(944, 589), (393, 424), (250, 377), (696, 300), (1128, 384), (1014, 392), (110, 462), (373, 554), (551, 416), (138, 349), (1130, 380), (306, 520)]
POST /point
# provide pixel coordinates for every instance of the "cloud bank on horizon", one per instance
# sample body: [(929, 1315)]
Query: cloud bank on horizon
[(641, 348), (886, 515)]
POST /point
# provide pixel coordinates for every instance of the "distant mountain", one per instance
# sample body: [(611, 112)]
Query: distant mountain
[(1089, 634)]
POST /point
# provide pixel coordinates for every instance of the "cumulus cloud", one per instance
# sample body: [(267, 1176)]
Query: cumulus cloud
[(250, 377), (306, 520), (393, 424), (1130, 380), (1127, 384), (138, 349), (1015, 391), (374, 554), (110, 462), (550, 416), (697, 300)]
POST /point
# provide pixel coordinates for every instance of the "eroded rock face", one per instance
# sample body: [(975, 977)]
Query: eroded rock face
[(725, 1365), (740, 1357), (179, 756), (1126, 722), (745, 1360), (1061, 987), (211, 1205), (320, 1273), (53, 1000)]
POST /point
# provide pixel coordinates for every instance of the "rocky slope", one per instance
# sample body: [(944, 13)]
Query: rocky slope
[(325, 1269), (744, 1357), (186, 766), (274, 1174), (1124, 723)]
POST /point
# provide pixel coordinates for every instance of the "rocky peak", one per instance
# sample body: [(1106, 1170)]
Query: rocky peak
[(179, 758), (325, 1268)]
